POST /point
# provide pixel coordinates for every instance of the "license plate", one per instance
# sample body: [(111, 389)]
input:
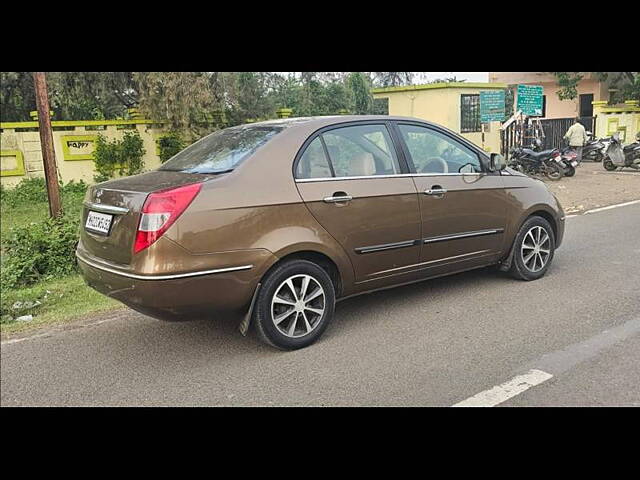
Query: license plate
[(574, 163), (558, 159), (98, 222)]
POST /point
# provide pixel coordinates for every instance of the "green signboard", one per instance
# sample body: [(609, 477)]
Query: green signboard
[(530, 100), (492, 106)]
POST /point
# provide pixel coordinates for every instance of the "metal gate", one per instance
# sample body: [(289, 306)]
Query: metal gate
[(554, 130)]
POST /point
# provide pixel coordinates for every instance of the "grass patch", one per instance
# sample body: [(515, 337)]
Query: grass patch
[(52, 302)]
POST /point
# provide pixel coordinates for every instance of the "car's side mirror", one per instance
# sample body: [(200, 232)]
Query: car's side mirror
[(497, 162)]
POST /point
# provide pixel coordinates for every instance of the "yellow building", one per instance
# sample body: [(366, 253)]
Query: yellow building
[(455, 105)]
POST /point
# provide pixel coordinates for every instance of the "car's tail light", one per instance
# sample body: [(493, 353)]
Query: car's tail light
[(160, 210)]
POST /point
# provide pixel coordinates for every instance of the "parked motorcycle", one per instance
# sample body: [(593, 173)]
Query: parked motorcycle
[(569, 161), (530, 162), (569, 158), (619, 156)]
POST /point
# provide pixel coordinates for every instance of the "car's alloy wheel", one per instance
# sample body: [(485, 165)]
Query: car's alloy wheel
[(294, 304), (298, 305), (535, 249)]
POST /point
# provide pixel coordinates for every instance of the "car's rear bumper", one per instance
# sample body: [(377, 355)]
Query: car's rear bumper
[(182, 296)]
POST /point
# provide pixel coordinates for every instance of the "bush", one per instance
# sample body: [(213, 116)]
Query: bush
[(40, 250), (118, 156), (169, 145), (29, 190), (34, 190)]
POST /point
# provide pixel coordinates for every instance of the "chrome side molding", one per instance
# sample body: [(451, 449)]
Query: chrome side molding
[(161, 277), (477, 233)]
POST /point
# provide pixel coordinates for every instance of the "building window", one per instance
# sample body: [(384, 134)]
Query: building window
[(469, 113)]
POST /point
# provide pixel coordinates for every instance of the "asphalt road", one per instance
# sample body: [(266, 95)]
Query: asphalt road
[(434, 343)]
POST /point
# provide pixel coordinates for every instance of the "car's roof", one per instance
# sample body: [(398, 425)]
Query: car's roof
[(320, 121)]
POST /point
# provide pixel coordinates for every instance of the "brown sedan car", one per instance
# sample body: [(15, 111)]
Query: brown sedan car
[(276, 220)]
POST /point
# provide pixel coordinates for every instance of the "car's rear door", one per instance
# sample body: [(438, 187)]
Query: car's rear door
[(353, 182), (463, 206)]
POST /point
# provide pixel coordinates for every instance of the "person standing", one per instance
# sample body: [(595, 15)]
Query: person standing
[(577, 137)]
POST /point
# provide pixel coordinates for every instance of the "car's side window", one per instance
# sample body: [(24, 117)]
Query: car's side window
[(361, 150), (434, 152), (314, 163)]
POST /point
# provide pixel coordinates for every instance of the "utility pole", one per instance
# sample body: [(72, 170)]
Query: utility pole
[(46, 143)]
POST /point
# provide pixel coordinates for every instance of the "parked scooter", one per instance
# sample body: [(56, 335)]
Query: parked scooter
[(594, 149), (618, 156), (530, 162)]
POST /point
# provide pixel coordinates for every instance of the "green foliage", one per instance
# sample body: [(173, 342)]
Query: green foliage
[(29, 190), (169, 145), (625, 85), (34, 190), (568, 83), (361, 97), (123, 157), (40, 250)]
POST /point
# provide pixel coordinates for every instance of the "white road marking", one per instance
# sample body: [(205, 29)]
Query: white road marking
[(57, 329), (503, 392), (612, 206)]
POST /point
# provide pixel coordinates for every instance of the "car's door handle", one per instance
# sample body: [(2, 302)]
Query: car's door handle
[(435, 190), (338, 197)]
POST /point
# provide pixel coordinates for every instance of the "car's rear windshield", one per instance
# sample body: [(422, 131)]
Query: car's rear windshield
[(221, 151)]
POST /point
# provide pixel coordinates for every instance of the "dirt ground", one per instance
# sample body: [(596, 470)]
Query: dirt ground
[(592, 187)]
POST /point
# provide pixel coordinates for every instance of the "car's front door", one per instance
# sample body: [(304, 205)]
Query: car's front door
[(351, 180), (462, 205)]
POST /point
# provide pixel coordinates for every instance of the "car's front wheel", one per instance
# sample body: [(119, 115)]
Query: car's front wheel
[(294, 305), (533, 249)]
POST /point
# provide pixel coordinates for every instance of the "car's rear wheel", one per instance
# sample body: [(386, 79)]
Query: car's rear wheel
[(533, 249), (294, 305)]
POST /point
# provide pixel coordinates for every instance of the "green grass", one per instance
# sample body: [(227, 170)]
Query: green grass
[(11, 217), (61, 299)]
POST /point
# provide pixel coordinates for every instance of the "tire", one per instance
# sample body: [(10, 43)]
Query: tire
[(608, 165), (523, 267), (284, 321), (570, 171), (598, 158), (553, 171)]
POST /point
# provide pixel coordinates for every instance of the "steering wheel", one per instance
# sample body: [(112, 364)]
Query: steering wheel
[(443, 166)]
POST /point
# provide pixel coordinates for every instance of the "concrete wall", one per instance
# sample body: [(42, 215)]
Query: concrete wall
[(624, 119), (440, 103), (556, 108), (21, 156)]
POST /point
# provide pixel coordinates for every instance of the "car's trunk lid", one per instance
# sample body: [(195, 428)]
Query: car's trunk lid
[(121, 201)]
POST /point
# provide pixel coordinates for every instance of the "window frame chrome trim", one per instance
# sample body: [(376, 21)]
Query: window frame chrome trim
[(397, 175)]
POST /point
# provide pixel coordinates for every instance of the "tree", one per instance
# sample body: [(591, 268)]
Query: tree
[(180, 99), (72, 95), (625, 85), (360, 94), (392, 79), (17, 97)]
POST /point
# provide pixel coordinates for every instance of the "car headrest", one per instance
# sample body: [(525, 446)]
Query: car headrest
[(362, 165)]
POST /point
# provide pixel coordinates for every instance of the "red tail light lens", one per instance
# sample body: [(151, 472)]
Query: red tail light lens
[(159, 212)]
